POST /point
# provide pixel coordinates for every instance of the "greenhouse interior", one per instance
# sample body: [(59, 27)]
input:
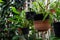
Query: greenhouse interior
[(29, 19)]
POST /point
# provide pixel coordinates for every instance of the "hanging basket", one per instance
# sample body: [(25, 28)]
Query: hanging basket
[(25, 30), (42, 25), (56, 26)]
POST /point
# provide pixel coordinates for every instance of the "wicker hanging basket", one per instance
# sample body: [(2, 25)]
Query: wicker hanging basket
[(42, 25)]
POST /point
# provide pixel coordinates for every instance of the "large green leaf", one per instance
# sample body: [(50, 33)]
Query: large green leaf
[(14, 10), (1, 1)]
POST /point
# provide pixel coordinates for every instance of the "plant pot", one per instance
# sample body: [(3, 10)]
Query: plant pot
[(30, 15), (42, 25), (39, 24), (57, 29), (25, 30)]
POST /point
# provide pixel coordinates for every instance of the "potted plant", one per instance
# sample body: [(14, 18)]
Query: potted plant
[(41, 19), (56, 18)]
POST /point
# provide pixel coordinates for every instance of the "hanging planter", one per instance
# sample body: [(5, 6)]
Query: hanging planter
[(57, 29), (39, 24), (41, 19), (25, 30)]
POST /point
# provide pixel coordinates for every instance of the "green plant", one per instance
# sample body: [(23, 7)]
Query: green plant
[(24, 22), (40, 8), (57, 14), (1, 1), (19, 18), (56, 7), (10, 19)]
